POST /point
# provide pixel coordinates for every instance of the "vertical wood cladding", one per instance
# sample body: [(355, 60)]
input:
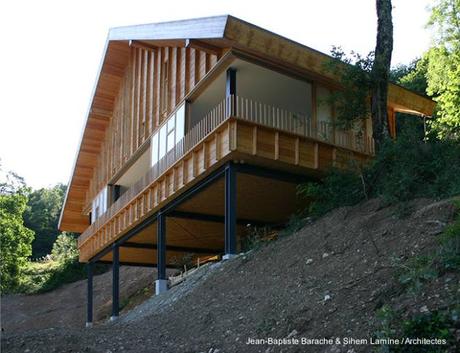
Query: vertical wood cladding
[(154, 83)]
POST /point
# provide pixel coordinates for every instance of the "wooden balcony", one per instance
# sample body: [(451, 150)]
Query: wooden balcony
[(237, 129)]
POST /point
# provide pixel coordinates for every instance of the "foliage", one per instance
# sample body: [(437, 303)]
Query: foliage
[(430, 325), (15, 238), (403, 169), (185, 262), (42, 216), (416, 271), (65, 248), (352, 101), (412, 76), (423, 268), (449, 252), (57, 269), (444, 84), (444, 67), (255, 237), (339, 188), (47, 274)]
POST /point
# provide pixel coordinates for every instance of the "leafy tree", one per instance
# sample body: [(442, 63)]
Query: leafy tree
[(443, 71), (15, 238), (366, 76), (65, 248), (352, 101), (42, 216), (412, 76)]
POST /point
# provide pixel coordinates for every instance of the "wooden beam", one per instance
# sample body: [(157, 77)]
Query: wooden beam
[(171, 248), (203, 46), (142, 45)]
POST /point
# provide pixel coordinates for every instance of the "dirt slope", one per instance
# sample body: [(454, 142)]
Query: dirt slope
[(325, 281), (66, 306)]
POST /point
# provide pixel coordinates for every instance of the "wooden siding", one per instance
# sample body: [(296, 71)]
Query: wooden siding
[(137, 110), (201, 159)]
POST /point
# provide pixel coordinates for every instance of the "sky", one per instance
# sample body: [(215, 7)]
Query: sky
[(51, 51)]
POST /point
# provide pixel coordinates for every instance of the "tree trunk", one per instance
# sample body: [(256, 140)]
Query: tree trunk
[(380, 72)]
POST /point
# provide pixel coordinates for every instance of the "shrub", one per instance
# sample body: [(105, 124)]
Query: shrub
[(403, 169), (439, 324)]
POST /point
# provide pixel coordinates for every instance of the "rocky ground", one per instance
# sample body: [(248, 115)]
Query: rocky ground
[(325, 281)]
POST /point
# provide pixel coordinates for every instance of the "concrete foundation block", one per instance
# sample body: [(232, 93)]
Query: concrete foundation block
[(161, 286)]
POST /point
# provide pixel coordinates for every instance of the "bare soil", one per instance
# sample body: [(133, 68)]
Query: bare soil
[(325, 281)]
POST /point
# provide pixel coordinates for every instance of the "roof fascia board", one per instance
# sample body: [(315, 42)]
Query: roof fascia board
[(201, 28)]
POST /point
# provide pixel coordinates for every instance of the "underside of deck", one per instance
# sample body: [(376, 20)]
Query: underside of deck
[(195, 226)]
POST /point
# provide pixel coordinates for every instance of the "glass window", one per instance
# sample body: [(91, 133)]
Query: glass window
[(180, 123), (162, 142), (171, 141), (154, 149), (171, 124)]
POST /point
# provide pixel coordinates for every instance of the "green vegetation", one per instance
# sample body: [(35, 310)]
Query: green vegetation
[(403, 169), (15, 238), (50, 272), (352, 102), (255, 237), (418, 270), (414, 275), (22, 213), (42, 216), (431, 325)]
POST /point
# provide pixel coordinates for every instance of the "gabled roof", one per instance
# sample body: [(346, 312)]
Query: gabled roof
[(220, 32)]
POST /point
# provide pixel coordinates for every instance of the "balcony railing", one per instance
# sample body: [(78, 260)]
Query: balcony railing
[(243, 109)]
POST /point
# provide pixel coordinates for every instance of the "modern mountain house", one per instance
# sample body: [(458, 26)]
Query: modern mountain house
[(197, 129)]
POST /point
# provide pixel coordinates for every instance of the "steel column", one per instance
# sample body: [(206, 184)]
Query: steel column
[(161, 245), (89, 308), (230, 209), (230, 91), (115, 281)]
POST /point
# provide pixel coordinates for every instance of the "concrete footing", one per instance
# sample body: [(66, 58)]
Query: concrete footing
[(228, 256), (89, 325), (113, 318), (161, 286)]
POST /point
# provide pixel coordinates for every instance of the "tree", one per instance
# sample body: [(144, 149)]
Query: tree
[(444, 67), (381, 71), (15, 238), (412, 76), (42, 216)]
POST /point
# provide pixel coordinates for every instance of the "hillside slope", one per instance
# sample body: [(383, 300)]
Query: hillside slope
[(325, 281)]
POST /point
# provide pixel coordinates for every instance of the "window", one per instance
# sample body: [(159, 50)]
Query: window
[(154, 148), (168, 136), (99, 205)]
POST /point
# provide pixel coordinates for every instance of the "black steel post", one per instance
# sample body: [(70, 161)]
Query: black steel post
[(230, 209), (115, 280), (161, 245), (230, 91), (89, 308)]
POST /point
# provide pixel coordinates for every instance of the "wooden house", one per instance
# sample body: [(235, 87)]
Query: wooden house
[(197, 129)]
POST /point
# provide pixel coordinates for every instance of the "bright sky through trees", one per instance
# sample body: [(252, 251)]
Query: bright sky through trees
[(51, 52)]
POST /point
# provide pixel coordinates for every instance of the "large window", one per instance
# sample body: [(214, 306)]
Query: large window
[(99, 205), (169, 134)]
